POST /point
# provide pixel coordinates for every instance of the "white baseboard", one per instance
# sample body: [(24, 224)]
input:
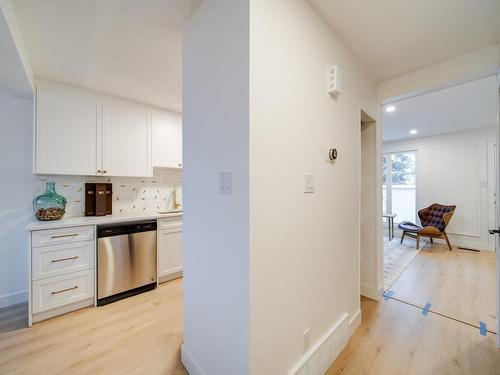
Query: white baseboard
[(324, 352), (171, 276), (354, 322), (12, 299), (189, 363), (372, 292), (470, 244), (38, 317)]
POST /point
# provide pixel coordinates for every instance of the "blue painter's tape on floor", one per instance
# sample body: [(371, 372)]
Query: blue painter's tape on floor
[(388, 295), (426, 309), (482, 329)]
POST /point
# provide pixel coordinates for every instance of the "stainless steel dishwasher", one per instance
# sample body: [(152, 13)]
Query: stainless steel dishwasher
[(126, 260)]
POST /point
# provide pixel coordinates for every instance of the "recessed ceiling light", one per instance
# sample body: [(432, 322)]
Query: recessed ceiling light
[(413, 131), (390, 109)]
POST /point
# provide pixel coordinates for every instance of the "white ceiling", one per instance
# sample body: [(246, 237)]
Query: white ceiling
[(471, 105), (132, 48), (13, 76), (396, 37), (129, 48)]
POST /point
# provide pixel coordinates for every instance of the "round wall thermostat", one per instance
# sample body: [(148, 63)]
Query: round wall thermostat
[(332, 154)]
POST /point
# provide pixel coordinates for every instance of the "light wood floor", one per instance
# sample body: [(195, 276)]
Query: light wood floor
[(142, 335), (395, 338), (139, 335), (460, 284)]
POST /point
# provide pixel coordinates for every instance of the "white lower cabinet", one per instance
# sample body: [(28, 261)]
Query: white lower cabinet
[(62, 272), (61, 259), (169, 249), (62, 275), (62, 290)]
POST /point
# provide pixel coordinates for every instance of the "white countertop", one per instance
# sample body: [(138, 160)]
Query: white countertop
[(95, 220)]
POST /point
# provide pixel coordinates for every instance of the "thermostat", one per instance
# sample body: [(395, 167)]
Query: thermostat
[(332, 154)]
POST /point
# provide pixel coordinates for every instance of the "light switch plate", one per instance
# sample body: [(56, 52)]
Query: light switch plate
[(309, 183), (225, 182)]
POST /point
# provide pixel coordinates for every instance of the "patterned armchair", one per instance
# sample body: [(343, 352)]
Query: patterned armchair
[(434, 219)]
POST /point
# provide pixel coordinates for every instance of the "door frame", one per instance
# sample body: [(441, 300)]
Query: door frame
[(372, 276), (497, 193)]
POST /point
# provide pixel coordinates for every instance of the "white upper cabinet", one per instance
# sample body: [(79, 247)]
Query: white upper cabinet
[(81, 132), (126, 135), (167, 139), (67, 127)]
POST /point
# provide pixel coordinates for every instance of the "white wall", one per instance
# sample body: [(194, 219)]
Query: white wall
[(304, 247), (457, 168), (255, 103), (216, 227), (16, 194), (471, 66)]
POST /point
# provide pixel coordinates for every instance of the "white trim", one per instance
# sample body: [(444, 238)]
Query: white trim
[(439, 87), (461, 242), (354, 322), (14, 298), (170, 276), (338, 333), (43, 315), (189, 362), (30, 285), (372, 292), (497, 190)]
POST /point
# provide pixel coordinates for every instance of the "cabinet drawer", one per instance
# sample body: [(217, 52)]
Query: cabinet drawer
[(60, 259), (62, 290), (63, 235)]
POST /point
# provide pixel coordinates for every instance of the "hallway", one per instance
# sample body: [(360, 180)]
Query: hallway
[(396, 338), (398, 335)]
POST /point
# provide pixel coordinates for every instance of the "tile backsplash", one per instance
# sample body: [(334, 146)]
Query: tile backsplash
[(131, 195)]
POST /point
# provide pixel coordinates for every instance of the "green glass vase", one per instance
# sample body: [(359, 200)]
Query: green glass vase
[(50, 205)]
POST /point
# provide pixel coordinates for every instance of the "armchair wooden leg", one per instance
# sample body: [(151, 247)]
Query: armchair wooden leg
[(418, 240), (432, 241), (447, 240), (402, 237)]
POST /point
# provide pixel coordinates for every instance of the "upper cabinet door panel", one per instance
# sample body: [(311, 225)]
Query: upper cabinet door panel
[(167, 140), (67, 126), (126, 140)]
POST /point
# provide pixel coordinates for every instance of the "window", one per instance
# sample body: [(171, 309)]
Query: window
[(399, 192)]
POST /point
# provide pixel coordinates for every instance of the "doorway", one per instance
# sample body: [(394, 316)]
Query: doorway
[(452, 143)]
